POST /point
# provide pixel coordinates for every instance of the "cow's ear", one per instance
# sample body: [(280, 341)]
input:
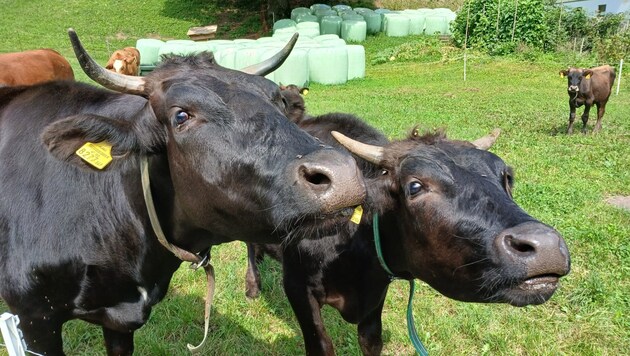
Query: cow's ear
[(108, 141), (563, 73), (587, 73)]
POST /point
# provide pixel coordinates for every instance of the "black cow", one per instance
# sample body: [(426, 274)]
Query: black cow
[(77, 242), (587, 87), (294, 102), (446, 216)]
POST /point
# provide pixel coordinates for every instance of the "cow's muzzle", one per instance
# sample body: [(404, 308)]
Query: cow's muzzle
[(573, 89)]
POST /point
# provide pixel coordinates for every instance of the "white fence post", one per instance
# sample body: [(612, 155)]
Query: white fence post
[(12, 335), (619, 80)]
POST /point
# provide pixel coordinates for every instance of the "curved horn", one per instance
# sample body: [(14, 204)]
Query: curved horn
[(267, 66), (111, 80), (370, 153), (484, 143)]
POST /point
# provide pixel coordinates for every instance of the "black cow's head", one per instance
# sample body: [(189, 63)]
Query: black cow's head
[(574, 78), (238, 167), (461, 231)]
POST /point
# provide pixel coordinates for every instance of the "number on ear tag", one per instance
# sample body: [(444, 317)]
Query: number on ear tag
[(97, 154)]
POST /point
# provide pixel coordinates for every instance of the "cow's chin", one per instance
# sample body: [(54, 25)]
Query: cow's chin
[(318, 225), (532, 291)]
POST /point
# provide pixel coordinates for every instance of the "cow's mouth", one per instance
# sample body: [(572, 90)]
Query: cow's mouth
[(316, 226), (535, 290)]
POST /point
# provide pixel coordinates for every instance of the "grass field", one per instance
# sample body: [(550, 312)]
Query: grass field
[(562, 180)]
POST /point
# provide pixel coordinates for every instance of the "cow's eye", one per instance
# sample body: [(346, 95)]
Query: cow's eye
[(415, 187), (181, 117)]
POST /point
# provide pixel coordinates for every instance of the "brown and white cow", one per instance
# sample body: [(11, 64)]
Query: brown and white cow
[(33, 66), (587, 87), (125, 61)]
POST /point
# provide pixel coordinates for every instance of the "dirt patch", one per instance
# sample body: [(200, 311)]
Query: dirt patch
[(619, 201)]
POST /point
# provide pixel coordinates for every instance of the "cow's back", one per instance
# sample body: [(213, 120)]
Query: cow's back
[(35, 66), (602, 81)]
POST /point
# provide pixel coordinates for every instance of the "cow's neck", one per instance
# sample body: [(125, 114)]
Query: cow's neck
[(392, 245)]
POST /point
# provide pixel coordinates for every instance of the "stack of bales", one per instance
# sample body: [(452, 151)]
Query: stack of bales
[(325, 59), (416, 22)]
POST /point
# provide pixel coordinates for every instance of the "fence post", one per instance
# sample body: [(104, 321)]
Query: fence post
[(514, 24), (466, 41), (619, 80)]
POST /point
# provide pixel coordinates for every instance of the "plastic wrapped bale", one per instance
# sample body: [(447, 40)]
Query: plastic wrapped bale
[(285, 32), (416, 22), (326, 37), (356, 61), (382, 12), (321, 13), (352, 16), (361, 10), (330, 25), (149, 49), (266, 39), (306, 18), (246, 56), (284, 23), (294, 70), (316, 7), (298, 11), (396, 25), (341, 7), (328, 65), (244, 41), (308, 29), (339, 42), (284, 36), (226, 56), (435, 24), (174, 47), (373, 21), (353, 31)]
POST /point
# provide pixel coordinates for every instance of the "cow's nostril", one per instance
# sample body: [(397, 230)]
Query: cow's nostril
[(315, 176), (522, 246)]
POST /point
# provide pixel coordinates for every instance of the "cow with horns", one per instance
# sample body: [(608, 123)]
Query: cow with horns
[(437, 210), (209, 145)]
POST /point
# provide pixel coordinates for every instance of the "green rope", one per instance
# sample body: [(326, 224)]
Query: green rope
[(411, 328)]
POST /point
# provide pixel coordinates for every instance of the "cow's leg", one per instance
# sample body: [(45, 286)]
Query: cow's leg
[(118, 343), (370, 332), (252, 276), (571, 119), (306, 308), (601, 109), (587, 108), (42, 335)]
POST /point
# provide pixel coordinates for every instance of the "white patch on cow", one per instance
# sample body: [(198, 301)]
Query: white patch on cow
[(143, 293), (118, 64)]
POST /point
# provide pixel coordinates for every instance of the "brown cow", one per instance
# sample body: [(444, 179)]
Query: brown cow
[(125, 61), (588, 86), (33, 66)]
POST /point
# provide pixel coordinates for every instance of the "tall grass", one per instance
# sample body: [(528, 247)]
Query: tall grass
[(562, 180)]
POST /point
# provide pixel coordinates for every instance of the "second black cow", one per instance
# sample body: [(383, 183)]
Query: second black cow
[(446, 217)]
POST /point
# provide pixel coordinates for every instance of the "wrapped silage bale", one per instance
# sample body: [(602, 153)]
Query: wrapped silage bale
[(328, 65), (226, 56), (330, 25), (267, 39), (175, 47), (306, 18), (284, 36), (308, 29), (382, 12), (284, 23), (149, 49), (316, 7), (353, 30), (352, 16), (294, 70), (321, 13), (325, 37), (396, 25), (246, 56), (435, 24), (361, 10), (341, 7), (339, 42), (287, 31), (373, 21), (356, 61), (298, 11), (416, 22)]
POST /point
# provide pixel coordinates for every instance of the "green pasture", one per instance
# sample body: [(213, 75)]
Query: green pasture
[(562, 180)]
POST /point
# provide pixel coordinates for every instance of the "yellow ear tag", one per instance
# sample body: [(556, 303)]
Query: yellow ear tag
[(356, 216), (561, 75), (588, 76), (96, 154), (305, 92)]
